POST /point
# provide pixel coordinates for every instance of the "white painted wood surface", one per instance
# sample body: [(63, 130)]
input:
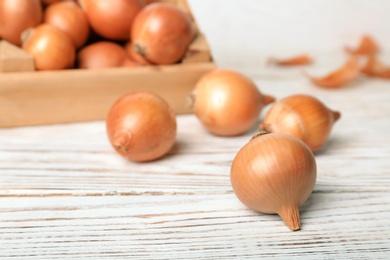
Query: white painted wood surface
[(244, 33), (64, 193)]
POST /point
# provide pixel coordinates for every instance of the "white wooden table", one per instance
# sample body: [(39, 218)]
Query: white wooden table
[(64, 192)]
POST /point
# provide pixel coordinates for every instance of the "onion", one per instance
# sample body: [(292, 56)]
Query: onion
[(112, 19), (51, 48), (141, 126), (135, 56), (17, 16), (150, 1), (227, 102), (130, 63), (49, 2), (274, 173), (161, 33), (103, 54), (69, 17), (302, 116)]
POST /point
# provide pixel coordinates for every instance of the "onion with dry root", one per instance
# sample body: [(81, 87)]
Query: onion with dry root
[(104, 54), (51, 48), (274, 174), (227, 102), (70, 18), (161, 33), (17, 16), (302, 116), (112, 19), (141, 126)]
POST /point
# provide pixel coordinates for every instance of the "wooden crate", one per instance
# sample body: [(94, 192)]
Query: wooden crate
[(29, 97)]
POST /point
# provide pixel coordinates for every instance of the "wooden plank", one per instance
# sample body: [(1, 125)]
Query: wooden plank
[(80, 95), (191, 226), (198, 51), (65, 193), (12, 58)]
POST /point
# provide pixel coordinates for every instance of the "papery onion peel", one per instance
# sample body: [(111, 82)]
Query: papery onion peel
[(339, 78), (375, 68), (302, 59), (367, 46)]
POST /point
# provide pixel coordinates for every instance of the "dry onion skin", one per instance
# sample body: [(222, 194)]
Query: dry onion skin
[(302, 116), (112, 19), (161, 33), (104, 54), (367, 46), (274, 174), (17, 16), (227, 102), (141, 126), (339, 78), (69, 17), (302, 59), (375, 68), (51, 48)]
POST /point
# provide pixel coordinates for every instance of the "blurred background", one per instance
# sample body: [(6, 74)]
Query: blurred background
[(246, 32)]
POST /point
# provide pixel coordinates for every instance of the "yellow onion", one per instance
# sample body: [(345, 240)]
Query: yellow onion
[(302, 116), (161, 33), (68, 17), (51, 48), (49, 2), (227, 102), (274, 174), (135, 56), (16, 16), (104, 54), (141, 126), (112, 19)]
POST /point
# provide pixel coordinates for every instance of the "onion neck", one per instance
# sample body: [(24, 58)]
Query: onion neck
[(268, 99), (336, 115), (290, 216)]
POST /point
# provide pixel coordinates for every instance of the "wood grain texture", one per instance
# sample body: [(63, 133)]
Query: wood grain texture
[(66, 194), (85, 95)]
